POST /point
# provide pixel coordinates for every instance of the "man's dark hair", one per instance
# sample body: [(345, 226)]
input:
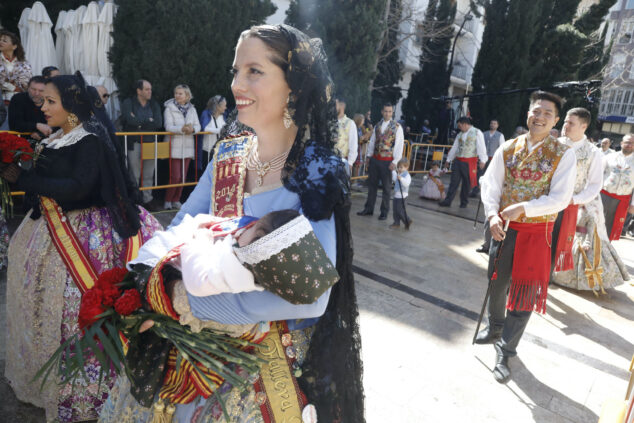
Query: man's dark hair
[(139, 84), (545, 95), (272, 221), (340, 98), (38, 80), (387, 105), (465, 119), (492, 120), (584, 115), (46, 72)]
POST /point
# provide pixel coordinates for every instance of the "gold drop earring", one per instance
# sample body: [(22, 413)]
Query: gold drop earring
[(72, 120), (287, 119)]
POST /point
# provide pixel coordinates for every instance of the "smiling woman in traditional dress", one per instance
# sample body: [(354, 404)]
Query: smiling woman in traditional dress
[(79, 191), (282, 89)]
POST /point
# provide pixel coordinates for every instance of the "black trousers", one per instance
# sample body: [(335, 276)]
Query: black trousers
[(398, 211), (379, 170), (459, 174), (513, 323), (609, 209)]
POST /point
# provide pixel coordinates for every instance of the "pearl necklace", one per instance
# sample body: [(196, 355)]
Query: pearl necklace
[(275, 164)]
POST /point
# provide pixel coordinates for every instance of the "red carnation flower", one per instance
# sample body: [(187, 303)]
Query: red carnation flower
[(111, 277), (128, 302), (110, 294), (90, 307)]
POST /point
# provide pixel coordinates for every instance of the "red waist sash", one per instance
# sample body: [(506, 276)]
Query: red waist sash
[(620, 215), (563, 253), (383, 159), (472, 162), (531, 267)]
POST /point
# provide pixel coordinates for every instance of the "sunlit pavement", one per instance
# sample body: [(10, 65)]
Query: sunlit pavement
[(420, 292)]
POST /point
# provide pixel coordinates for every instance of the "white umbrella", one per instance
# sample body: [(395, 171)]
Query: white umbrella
[(22, 26), (67, 30), (77, 44), (40, 49), (105, 39), (90, 40), (60, 41)]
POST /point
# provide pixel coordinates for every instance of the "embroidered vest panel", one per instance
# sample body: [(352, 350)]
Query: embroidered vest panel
[(467, 144), (343, 142), (384, 142), (527, 176), (584, 159)]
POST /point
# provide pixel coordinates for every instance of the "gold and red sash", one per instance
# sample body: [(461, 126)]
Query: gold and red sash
[(70, 249)]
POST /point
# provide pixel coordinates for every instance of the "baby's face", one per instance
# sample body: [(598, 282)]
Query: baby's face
[(246, 237)]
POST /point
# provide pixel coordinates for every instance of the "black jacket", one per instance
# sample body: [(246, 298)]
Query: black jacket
[(24, 115)]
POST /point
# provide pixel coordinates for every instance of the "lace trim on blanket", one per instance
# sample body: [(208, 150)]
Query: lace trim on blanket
[(274, 242)]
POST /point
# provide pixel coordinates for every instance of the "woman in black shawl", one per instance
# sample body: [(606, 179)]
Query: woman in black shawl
[(80, 174)]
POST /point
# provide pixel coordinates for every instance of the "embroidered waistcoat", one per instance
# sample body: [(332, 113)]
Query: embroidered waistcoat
[(527, 176), (492, 142), (467, 144), (384, 142), (343, 143), (619, 174), (584, 159)]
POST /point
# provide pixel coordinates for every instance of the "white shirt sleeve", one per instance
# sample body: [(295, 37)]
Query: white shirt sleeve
[(561, 187), (397, 153), (405, 181), (353, 143), (594, 181), (491, 184), (454, 149), (481, 147), (211, 268), (370, 149)]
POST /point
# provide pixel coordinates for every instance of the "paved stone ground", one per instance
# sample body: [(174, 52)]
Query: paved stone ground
[(420, 292)]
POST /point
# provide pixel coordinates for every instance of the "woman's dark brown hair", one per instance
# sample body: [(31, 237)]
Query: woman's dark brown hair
[(274, 40), (15, 40)]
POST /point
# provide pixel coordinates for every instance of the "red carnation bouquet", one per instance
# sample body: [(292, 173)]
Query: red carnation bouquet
[(110, 316), (12, 150)]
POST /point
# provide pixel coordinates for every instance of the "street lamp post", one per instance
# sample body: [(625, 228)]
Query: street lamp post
[(466, 19)]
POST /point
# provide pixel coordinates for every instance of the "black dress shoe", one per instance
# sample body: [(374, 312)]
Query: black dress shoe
[(463, 206), (383, 217), (501, 372), (364, 213), (482, 249), (488, 335), (444, 204)]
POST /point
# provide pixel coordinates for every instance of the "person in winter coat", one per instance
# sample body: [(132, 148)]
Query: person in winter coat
[(211, 120), (180, 118)]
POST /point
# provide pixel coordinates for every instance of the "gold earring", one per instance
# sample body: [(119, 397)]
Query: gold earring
[(287, 119), (72, 120)]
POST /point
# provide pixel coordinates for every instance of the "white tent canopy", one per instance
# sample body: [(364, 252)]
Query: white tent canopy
[(22, 26), (40, 49), (90, 40), (60, 41)]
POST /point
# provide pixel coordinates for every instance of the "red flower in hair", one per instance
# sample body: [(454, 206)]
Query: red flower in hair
[(128, 302), (90, 307)]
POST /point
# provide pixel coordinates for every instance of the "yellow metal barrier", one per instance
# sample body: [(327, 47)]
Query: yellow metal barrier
[(438, 154)]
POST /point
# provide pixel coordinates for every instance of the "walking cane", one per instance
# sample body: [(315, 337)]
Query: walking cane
[(488, 294), (400, 187), (475, 219)]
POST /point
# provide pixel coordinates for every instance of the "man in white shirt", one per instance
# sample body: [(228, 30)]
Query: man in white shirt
[(586, 186), (467, 148), (618, 187), (385, 149), (605, 146), (529, 180), (347, 146)]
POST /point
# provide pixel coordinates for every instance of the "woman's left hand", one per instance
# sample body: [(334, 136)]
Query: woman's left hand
[(10, 172)]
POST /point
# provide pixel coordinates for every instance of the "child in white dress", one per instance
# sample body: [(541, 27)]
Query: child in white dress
[(433, 188)]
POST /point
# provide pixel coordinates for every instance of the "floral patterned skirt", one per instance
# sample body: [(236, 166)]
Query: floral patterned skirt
[(43, 305)]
